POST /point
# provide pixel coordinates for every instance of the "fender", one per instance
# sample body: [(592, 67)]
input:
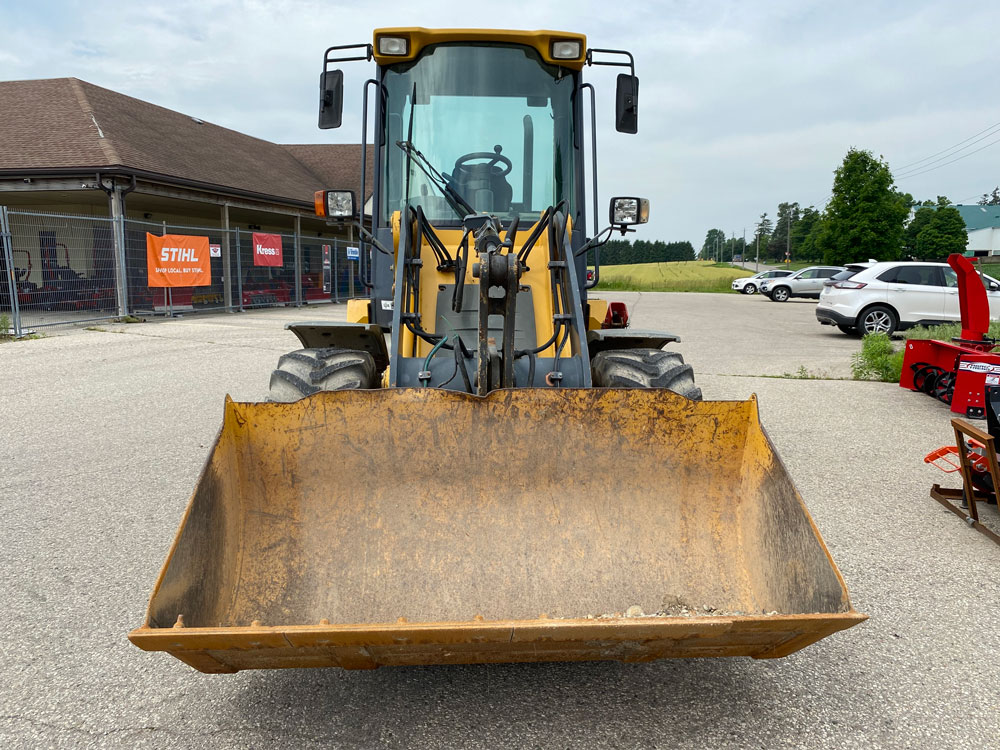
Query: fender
[(363, 336)]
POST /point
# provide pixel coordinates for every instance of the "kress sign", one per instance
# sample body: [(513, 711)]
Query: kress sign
[(267, 249)]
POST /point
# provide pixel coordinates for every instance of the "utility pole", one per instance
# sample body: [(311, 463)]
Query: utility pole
[(788, 221), (756, 264)]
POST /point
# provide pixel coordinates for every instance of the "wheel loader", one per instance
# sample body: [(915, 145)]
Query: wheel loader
[(479, 466)]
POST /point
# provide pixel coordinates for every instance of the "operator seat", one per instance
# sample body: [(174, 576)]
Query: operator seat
[(484, 185)]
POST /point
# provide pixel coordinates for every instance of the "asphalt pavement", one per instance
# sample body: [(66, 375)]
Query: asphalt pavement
[(103, 435)]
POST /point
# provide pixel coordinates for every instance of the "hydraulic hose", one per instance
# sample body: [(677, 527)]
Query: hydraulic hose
[(425, 374)]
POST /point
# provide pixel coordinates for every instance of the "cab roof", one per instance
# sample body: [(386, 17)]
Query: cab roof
[(419, 38)]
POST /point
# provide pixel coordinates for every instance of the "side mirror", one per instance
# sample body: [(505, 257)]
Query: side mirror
[(331, 98), (994, 287), (334, 204), (628, 211), (627, 104)]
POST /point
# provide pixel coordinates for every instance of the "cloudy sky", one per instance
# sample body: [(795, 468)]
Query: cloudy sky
[(742, 104)]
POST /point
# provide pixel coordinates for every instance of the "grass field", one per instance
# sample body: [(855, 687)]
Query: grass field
[(681, 276)]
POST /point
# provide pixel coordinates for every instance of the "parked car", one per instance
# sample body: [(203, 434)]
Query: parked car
[(749, 284), (896, 295), (805, 283)]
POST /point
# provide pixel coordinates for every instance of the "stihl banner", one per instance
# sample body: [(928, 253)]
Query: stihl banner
[(178, 260), (266, 249)]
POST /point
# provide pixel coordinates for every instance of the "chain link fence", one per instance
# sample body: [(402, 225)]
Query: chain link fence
[(59, 268)]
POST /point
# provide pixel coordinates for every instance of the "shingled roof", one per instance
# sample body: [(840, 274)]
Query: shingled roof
[(66, 123)]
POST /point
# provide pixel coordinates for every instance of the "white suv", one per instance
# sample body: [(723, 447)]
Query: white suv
[(896, 295), (749, 284), (805, 283)]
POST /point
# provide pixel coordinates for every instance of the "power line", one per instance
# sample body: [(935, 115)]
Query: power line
[(931, 169), (970, 198), (918, 161), (953, 153)]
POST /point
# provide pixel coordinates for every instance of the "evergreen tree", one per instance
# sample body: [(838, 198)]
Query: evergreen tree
[(714, 239), (778, 244), (762, 234), (990, 199)]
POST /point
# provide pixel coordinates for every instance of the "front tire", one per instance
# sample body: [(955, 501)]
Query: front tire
[(878, 319), (644, 368), (750, 289), (307, 371), (780, 294)]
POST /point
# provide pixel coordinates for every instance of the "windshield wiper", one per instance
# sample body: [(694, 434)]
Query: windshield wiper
[(454, 198)]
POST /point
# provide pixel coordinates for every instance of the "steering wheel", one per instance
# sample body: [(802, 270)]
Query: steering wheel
[(462, 163)]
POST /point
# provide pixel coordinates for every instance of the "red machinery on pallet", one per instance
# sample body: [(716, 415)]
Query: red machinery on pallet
[(958, 371)]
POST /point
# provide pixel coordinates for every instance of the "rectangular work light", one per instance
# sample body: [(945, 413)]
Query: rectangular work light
[(566, 49), (334, 204), (628, 211), (398, 46)]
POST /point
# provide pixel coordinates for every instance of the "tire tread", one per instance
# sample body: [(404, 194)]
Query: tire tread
[(644, 368)]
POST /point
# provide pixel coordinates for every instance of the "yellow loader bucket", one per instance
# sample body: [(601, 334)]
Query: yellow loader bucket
[(420, 526)]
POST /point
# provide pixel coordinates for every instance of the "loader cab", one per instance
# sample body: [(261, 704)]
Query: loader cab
[(496, 120), (497, 116)]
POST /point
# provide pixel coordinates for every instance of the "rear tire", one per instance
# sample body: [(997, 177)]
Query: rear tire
[(644, 368), (307, 371), (877, 319), (849, 330), (780, 294)]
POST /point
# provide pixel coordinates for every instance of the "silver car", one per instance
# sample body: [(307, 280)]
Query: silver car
[(805, 283), (750, 284)]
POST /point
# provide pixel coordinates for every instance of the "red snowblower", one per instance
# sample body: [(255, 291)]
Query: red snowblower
[(957, 372)]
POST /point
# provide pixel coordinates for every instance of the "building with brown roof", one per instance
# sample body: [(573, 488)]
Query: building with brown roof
[(70, 147)]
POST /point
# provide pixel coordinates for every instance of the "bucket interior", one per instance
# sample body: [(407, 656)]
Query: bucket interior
[(367, 506)]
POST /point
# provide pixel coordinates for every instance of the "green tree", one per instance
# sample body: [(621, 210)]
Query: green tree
[(936, 231), (814, 242), (801, 231), (762, 233), (866, 213), (714, 239), (922, 216), (680, 251), (778, 244), (990, 199), (622, 252)]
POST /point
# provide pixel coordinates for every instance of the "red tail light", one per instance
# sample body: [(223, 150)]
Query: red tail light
[(849, 285)]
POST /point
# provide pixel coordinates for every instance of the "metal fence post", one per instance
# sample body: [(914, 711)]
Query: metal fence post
[(227, 263), (119, 229), (336, 275), (239, 270), (8, 259), (298, 261), (118, 247)]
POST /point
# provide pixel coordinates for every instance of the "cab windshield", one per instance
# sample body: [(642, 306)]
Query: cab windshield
[(495, 121)]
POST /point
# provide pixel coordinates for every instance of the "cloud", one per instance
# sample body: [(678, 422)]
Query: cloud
[(742, 105)]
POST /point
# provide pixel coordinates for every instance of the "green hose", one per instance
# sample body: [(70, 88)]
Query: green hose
[(427, 361)]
